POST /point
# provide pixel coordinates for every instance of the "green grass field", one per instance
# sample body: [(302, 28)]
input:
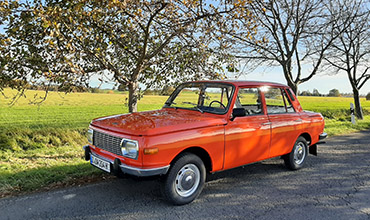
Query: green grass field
[(41, 145)]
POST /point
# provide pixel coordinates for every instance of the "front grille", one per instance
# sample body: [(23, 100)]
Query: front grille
[(107, 142)]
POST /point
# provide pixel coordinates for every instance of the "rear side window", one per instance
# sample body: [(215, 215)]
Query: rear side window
[(288, 104), (291, 96), (277, 101), (250, 100)]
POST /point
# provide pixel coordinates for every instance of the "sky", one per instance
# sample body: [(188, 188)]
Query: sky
[(322, 82)]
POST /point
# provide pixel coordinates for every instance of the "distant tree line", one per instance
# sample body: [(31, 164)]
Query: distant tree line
[(332, 93), (56, 88), (167, 90), (315, 92)]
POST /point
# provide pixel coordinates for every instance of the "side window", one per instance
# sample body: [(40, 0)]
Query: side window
[(250, 100), (290, 94), (277, 101), (289, 106)]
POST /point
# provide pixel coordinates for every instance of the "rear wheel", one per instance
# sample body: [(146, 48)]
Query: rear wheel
[(296, 158), (185, 179)]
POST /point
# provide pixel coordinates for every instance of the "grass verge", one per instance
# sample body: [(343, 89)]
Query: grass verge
[(43, 158), (339, 127)]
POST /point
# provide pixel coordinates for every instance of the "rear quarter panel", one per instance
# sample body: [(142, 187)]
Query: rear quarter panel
[(313, 124)]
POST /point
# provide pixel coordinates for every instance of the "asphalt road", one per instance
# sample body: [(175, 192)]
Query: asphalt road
[(334, 185)]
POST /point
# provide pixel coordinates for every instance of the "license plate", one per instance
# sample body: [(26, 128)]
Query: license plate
[(102, 164)]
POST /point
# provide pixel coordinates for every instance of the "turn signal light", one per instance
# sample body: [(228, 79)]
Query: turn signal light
[(149, 151)]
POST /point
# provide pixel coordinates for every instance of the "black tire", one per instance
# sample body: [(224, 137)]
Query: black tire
[(296, 158), (185, 179)]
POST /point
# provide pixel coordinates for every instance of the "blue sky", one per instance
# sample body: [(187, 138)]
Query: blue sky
[(322, 82)]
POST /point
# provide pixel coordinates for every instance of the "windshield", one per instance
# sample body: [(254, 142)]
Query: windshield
[(202, 97)]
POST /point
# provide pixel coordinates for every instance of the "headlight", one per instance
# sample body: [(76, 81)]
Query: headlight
[(129, 148), (90, 134)]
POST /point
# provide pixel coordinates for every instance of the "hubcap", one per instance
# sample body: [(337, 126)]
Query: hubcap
[(187, 180), (299, 153)]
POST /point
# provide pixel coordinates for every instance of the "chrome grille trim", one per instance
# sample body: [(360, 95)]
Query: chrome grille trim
[(107, 142)]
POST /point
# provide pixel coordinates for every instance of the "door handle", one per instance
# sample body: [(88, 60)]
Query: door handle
[(266, 123)]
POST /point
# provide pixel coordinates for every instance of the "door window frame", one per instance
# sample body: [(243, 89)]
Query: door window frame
[(286, 98)]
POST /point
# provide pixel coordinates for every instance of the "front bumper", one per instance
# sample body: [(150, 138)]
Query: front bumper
[(117, 167)]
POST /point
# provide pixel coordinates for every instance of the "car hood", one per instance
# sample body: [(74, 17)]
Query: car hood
[(157, 122)]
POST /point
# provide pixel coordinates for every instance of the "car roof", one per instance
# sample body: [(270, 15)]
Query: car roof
[(241, 83)]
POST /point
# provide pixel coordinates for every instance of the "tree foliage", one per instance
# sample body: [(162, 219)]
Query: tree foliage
[(134, 41), (334, 93), (314, 92)]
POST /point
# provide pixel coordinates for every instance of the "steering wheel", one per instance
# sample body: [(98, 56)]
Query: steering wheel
[(223, 106)]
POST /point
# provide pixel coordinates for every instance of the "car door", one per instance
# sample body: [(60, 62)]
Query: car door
[(247, 138), (285, 121)]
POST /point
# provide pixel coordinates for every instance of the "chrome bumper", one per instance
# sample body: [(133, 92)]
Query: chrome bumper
[(129, 169), (144, 172), (322, 136)]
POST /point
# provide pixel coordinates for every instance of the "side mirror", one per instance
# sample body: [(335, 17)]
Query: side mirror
[(238, 112)]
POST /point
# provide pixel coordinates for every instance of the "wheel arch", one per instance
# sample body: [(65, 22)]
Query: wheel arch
[(306, 136), (201, 153)]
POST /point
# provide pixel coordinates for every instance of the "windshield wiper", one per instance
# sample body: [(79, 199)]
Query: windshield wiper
[(169, 103), (195, 106)]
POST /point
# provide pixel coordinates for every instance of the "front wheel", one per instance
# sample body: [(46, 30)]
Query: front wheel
[(185, 180), (296, 158)]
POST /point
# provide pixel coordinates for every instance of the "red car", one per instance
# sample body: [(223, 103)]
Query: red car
[(205, 127)]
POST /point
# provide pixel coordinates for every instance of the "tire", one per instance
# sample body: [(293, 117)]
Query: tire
[(185, 180), (296, 158)]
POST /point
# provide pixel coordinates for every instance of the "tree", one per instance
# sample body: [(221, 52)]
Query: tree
[(334, 93), (305, 93), (6, 8), (122, 87), (368, 96), (316, 92), (134, 41), (167, 90), (350, 53), (28, 56), (291, 34)]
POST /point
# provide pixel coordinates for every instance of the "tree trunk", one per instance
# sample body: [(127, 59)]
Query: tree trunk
[(287, 74), (358, 108), (133, 96), (293, 86)]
